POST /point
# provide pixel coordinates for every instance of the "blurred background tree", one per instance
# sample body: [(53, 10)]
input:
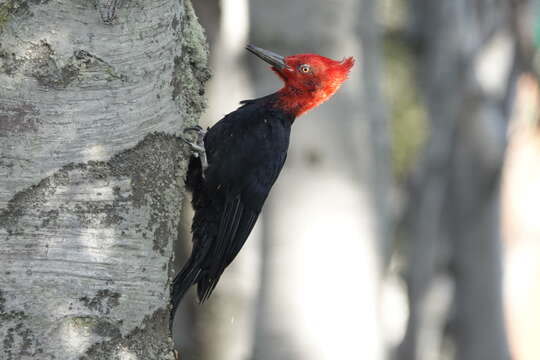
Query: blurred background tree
[(385, 236), (466, 72)]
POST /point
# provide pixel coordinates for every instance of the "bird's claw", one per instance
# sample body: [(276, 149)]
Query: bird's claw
[(196, 128), (197, 146)]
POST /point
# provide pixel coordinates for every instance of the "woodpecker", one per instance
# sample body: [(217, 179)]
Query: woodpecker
[(237, 161)]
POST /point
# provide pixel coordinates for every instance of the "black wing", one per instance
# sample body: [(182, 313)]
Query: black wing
[(246, 151), (240, 210)]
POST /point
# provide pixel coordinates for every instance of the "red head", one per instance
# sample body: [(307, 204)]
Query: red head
[(309, 79)]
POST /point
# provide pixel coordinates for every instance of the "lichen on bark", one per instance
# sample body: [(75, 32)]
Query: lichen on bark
[(191, 68)]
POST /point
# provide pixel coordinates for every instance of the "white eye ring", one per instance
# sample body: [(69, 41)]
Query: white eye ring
[(304, 68)]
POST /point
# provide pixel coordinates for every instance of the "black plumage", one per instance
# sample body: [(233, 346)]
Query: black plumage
[(246, 151)]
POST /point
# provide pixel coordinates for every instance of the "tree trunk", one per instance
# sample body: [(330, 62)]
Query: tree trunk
[(467, 75), (325, 219), (91, 98)]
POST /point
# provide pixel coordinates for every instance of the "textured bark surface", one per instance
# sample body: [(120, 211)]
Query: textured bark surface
[(467, 74), (91, 172)]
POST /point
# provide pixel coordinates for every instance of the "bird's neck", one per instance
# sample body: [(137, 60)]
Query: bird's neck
[(297, 101)]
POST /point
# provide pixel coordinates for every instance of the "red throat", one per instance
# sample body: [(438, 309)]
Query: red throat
[(298, 102), (303, 92)]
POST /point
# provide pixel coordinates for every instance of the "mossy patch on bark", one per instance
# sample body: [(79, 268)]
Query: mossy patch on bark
[(103, 302), (16, 7), (139, 343), (191, 68)]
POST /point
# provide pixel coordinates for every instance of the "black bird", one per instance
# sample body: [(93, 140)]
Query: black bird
[(237, 161)]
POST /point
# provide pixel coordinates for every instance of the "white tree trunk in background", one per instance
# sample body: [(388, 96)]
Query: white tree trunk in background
[(325, 216), (91, 173), (521, 229)]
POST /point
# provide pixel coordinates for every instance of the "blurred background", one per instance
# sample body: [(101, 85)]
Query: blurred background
[(404, 224)]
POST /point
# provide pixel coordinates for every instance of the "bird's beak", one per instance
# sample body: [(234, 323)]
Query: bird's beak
[(273, 59)]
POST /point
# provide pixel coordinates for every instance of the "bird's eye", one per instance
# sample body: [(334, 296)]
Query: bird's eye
[(304, 68)]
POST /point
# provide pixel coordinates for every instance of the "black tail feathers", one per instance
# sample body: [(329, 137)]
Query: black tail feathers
[(191, 274), (205, 285), (181, 283)]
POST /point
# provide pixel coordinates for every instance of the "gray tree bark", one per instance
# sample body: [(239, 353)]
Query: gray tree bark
[(326, 217), (467, 74), (92, 95)]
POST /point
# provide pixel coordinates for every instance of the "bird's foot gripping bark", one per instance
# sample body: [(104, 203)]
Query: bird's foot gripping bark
[(197, 145)]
